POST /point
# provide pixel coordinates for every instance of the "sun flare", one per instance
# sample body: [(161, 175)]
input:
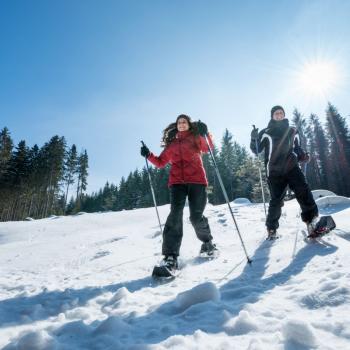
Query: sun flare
[(318, 78)]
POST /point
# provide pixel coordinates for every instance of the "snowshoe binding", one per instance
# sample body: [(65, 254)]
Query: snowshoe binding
[(167, 269), (318, 227)]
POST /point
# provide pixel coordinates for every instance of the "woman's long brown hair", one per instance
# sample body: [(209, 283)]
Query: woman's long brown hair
[(169, 133)]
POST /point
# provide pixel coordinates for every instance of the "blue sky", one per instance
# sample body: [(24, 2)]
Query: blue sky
[(106, 74)]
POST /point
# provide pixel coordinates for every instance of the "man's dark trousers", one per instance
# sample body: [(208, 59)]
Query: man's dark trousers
[(297, 183)]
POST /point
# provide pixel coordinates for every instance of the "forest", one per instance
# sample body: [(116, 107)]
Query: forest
[(36, 182)]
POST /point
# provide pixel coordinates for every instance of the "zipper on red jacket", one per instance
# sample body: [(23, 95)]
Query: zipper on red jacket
[(182, 161)]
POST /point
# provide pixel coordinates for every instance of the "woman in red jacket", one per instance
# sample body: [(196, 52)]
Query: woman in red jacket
[(184, 144)]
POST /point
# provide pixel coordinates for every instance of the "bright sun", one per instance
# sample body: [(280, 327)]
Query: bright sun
[(318, 78)]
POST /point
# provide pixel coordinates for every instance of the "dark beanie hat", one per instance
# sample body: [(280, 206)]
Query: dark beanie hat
[(276, 108)]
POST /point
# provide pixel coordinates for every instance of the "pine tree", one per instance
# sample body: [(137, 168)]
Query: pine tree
[(300, 124), (124, 195), (146, 195), (339, 139), (225, 164), (53, 155), (161, 177), (108, 197), (250, 179), (214, 190), (16, 178), (82, 171), (71, 163), (240, 159), (312, 170), (6, 147), (320, 152)]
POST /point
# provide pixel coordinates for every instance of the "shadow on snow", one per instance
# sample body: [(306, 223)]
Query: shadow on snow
[(169, 319)]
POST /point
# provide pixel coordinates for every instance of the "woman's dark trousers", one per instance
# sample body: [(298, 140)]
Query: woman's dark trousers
[(297, 183), (173, 230)]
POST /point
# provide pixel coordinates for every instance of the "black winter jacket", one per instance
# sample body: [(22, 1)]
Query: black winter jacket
[(282, 147)]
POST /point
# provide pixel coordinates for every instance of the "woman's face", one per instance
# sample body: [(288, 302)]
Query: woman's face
[(182, 124)]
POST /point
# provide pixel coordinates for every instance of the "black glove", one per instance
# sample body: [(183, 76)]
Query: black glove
[(305, 158), (202, 128), (255, 134), (145, 151)]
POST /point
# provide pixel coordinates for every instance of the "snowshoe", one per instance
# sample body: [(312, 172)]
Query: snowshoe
[(167, 269), (208, 250), (318, 227), (272, 235)]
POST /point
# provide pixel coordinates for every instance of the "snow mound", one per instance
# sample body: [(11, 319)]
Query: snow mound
[(198, 294), (333, 200), (242, 201), (180, 342), (299, 333), (33, 341), (121, 293), (242, 324), (332, 204), (113, 325), (322, 193)]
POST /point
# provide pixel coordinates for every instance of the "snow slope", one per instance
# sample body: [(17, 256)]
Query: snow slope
[(83, 282)]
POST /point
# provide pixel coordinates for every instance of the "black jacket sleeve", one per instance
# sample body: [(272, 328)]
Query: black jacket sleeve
[(301, 154), (254, 143)]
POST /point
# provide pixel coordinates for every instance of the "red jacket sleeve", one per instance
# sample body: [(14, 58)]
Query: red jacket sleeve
[(203, 144), (162, 160)]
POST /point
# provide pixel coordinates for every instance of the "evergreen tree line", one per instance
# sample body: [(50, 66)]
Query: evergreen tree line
[(329, 168), (35, 182), (329, 148)]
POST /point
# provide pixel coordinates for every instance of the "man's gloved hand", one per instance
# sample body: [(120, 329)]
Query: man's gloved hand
[(145, 151), (305, 158), (255, 133), (202, 128)]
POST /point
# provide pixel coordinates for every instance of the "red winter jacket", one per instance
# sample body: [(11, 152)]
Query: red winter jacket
[(184, 155)]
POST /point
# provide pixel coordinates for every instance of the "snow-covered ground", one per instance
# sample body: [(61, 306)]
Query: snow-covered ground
[(83, 282)]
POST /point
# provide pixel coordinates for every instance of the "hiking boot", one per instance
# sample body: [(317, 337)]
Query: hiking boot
[(170, 262), (208, 248), (311, 226), (271, 234)]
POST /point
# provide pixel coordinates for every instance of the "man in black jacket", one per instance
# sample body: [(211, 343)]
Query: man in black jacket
[(281, 144)]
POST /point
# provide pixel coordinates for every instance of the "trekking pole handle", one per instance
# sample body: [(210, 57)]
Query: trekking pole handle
[(143, 144)]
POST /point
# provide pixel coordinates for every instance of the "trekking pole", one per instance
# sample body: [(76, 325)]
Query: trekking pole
[(152, 190), (260, 175), (226, 197)]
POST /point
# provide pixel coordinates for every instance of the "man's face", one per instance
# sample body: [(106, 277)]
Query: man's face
[(278, 115)]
